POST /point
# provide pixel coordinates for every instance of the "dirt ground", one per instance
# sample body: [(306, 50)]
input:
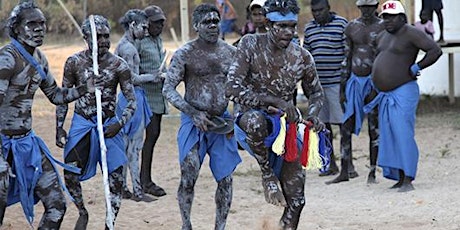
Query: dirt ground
[(351, 205)]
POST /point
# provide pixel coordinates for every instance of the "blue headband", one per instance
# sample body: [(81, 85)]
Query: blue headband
[(277, 16)]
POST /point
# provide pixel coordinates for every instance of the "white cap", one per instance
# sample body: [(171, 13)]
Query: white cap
[(392, 7), (260, 3)]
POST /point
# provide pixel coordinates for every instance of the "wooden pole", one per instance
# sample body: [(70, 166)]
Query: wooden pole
[(85, 8), (184, 20), (75, 23)]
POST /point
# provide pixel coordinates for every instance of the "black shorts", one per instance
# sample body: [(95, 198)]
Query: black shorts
[(432, 5)]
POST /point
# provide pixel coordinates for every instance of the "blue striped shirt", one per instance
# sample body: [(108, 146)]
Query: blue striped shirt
[(327, 45)]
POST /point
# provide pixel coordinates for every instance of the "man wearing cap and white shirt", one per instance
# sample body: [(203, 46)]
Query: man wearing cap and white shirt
[(394, 75), (356, 85), (151, 55)]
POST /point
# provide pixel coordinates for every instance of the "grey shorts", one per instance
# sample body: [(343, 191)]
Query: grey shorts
[(331, 112)]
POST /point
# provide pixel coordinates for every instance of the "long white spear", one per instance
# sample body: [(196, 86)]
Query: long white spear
[(105, 174)]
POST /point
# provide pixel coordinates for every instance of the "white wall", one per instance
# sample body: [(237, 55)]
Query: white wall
[(434, 79)]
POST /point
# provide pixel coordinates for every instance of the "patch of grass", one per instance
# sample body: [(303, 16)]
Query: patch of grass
[(445, 151)]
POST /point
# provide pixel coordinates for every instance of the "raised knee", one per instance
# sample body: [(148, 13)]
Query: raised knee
[(62, 208), (56, 210), (254, 124), (116, 177), (187, 183), (296, 203)]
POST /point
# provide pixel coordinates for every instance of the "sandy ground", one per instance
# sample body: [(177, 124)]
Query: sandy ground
[(350, 205)]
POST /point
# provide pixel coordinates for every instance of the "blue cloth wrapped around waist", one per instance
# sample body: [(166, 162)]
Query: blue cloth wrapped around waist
[(27, 166), (357, 89), (142, 112), (222, 149), (275, 160), (397, 146), (116, 156)]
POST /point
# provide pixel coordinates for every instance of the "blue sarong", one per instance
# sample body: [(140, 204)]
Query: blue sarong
[(27, 166), (142, 112), (275, 161), (116, 156), (357, 89), (325, 150), (223, 150), (397, 146)]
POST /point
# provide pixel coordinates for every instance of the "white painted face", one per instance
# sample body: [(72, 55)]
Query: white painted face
[(103, 39), (208, 27), (32, 29), (282, 32), (138, 29)]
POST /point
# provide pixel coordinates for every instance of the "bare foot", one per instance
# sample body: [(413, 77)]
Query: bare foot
[(341, 178), (406, 187), (371, 177), (397, 185), (330, 172), (126, 194), (353, 174), (144, 198), (272, 191)]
